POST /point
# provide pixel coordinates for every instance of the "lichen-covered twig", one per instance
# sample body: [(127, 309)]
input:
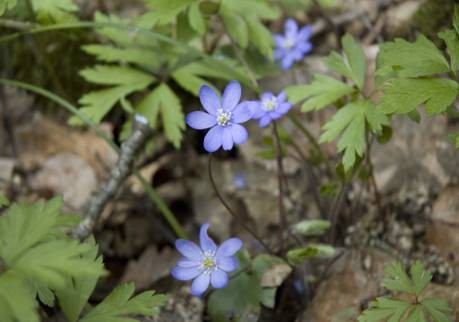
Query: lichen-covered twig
[(117, 176)]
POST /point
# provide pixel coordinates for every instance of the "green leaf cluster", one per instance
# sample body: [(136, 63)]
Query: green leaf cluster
[(417, 309), (38, 260), (46, 11), (241, 300)]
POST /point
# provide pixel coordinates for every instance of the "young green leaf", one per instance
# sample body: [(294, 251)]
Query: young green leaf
[(23, 226), (17, 301), (385, 309), (4, 201), (451, 38), (397, 279), (421, 278), (53, 11), (261, 8), (352, 64), (438, 309), (236, 26), (260, 36), (163, 101), (133, 55), (120, 304), (322, 92), (311, 227), (197, 20), (351, 122), (165, 11), (403, 96), (115, 75), (299, 255), (421, 58), (416, 314)]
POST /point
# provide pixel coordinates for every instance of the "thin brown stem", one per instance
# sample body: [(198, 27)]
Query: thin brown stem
[(281, 181), (235, 216), (377, 194)]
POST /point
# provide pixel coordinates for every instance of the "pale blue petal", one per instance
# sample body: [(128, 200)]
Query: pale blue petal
[(259, 112), (188, 249), (243, 112), (209, 100), (231, 95), (207, 244), (279, 40), (213, 139), (185, 273), (281, 97), (278, 54), (185, 262), (287, 62), (291, 28), (228, 263), (200, 284), (265, 120), (305, 47), (229, 247), (239, 134), (227, 138), (305, 32), (284, 108), (219, 279), (200, 120), (274, 115)]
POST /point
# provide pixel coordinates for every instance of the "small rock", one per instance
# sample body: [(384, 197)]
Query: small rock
[(181, 307)]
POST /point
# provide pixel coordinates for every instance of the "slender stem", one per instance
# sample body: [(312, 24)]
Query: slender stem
[(335, 211), (281, 181), (313, 180), (232, 212), (312, 140), (372, 173)]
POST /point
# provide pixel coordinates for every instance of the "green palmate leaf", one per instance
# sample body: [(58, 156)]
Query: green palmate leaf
[(406, 95), (385, 309), (451, 38), (397, 279), (97, 104), (299, 255), (197, 20), (115, 75), (17, 301), (163, 102), (120, 304), (77, 290), (164, 11), (439, 310), (260, 36), (421, 278), (416, 314), (6, 5), (322, 92), (50, 262), (421, 58), (311, 227), (44, 294), (138, 56), (351, 121), (236, 26), (54, 10), (260, 8), (23, 226), (188, 80), (352, 64)]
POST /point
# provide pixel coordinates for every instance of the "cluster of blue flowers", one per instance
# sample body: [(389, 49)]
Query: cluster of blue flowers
[(209, 264)]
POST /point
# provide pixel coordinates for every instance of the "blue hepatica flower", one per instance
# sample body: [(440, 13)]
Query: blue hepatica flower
[(271, 107), (293, 45), (207, 263), (222, 116)]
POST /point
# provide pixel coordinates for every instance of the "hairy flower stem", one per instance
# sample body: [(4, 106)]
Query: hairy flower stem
[(281, 181), (235, 216), (117, 177)]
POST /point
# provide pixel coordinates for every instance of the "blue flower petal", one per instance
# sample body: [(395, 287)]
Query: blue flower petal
[(219, 279), (291, 28), (227, 263), (243, 112), (305, 47), (200, 284), (231, 95), (207, 244), (213, 139), (279, 40), (305, 32), (229, 247), (287, 61), (265, 120), (185, 273), (200, 120), (284, 108), (185, 262), (281, 97), (188, 249), (227, 139), (209, 100), (239, 134)]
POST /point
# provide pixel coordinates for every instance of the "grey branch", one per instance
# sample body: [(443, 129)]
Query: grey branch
[(117, 176)]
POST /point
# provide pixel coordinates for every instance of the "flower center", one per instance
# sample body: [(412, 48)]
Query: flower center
[(270, 104), (208, 263), (289, 43), (223, 118)]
